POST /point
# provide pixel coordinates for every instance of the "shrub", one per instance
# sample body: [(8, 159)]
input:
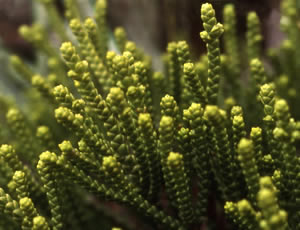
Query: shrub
[(104, 140)]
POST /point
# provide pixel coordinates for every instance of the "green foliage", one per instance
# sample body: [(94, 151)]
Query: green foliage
[(103, 140)]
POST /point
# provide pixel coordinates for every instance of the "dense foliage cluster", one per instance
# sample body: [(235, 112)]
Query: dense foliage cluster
[(102, 134)]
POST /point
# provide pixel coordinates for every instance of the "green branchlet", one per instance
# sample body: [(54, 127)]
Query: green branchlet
[(72, 10), (181, 186), (88, 52), (29, 212), (21, 67), (102, 30), (21, 184), (55, 19), (220, 146), (273, 216), (21, 127), (249, 167), (194, 82), (258, 73), (197, 157), (231, 42), (121, 38), (254, 37), (40, 223), (47, 170), (148, 142), (210, 35), (256, 137)]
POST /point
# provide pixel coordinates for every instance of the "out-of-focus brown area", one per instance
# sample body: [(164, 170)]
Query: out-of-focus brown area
[(149, 23), (160, 21), (14, 13)]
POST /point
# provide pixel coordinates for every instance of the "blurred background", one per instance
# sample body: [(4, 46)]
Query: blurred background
[(151, 24)]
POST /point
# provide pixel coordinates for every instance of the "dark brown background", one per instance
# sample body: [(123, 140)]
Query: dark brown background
[(150, 23)]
